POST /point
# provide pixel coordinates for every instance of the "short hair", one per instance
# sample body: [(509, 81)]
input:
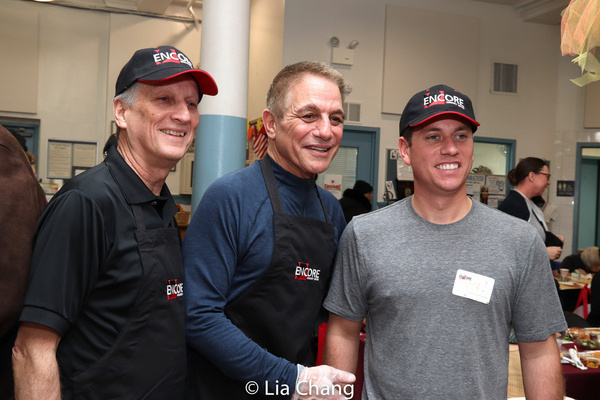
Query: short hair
[(277, 96), (408, 135), (590, 256), (130, 95), (524, 167)]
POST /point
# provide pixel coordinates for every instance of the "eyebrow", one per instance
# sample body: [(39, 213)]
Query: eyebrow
[(312, 107)]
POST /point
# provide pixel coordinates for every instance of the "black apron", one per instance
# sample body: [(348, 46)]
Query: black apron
[(279, 311), (148, 359)]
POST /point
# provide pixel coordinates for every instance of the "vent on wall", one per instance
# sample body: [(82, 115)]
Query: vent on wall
[(352, 112), (505, 78)]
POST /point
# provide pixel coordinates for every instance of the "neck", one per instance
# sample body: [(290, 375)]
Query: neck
[(523, 188), (442, 210), (153, 176)]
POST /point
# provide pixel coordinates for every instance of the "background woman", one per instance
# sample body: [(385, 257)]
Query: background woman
[(530, 178)]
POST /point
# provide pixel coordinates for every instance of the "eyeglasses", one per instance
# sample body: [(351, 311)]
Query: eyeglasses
[(547, 175)]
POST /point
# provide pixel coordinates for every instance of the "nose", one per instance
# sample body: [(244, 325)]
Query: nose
[(448, 146), (181, 112), (323, 129)]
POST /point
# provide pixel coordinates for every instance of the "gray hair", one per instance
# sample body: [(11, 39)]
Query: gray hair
[(277, 96), (130, 96), (590, 257)]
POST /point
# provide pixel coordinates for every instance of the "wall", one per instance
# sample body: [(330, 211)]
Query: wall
[(80, 55)]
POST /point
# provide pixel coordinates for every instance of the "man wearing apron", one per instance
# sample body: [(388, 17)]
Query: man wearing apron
[(103, 316), (258, 253)]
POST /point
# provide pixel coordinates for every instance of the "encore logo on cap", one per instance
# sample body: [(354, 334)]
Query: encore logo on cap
[(442, 98), (170, 57)]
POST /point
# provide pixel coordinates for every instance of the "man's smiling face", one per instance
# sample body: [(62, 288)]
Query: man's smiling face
[(441, 154), (308, 136)]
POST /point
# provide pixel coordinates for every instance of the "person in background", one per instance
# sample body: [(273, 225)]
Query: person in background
[(103, 317), (585, 262), (259, 249), (22, 201), (531, 176), (441, 278), (110, 142), (357, 200), (30, 157)]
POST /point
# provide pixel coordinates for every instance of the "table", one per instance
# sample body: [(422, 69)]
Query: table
[(581, 385), (569, 293)]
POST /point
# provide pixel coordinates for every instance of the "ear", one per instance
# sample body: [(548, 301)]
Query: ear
[(119, 109), (403, 147), (269, 122)]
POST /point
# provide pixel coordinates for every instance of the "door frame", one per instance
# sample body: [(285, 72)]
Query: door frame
[(371, 177), (577, 197)]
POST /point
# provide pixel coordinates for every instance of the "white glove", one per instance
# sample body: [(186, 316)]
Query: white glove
[(323, 382)]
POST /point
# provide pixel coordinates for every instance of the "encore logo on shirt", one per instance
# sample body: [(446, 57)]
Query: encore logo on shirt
[(305, 273), (174, 289)]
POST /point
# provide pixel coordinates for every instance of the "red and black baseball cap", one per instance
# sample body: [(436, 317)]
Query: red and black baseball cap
[(437, 100), (160, 64)]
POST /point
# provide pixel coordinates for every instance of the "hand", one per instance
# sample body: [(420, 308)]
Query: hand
[(554, 252), (323, 382)]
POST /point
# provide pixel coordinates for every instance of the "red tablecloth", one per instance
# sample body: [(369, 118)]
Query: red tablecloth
[(580, 384)]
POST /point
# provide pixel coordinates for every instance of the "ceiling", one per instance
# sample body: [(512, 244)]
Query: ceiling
[(539, 11), (536, 11)]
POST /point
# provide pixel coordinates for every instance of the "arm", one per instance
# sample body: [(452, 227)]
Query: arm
[(341, 343), (22, 204), (223, 247), (34, 363), (542, 373)]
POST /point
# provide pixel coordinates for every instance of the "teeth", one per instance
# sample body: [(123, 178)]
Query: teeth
[(317, 149), (447, 166), (172, 133)]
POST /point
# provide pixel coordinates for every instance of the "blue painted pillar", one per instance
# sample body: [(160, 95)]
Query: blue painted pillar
[(221, 134)]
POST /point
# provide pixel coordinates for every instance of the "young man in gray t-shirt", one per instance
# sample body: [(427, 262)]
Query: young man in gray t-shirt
[(442, 278)]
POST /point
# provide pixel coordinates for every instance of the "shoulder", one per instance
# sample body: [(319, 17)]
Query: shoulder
[(241, 184), (496, 222), (514, 204), (334, 208)]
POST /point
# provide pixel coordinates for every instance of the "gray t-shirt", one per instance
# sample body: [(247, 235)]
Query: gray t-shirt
[(423, 342)]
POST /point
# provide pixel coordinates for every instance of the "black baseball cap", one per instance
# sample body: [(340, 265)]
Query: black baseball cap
[(437, 100), (160, 64)]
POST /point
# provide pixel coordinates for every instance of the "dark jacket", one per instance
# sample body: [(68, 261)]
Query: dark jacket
[(21, 203), (354, 203)]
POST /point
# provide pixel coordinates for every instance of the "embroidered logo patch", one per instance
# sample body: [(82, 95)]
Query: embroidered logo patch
[(174, 289), (305, 273)]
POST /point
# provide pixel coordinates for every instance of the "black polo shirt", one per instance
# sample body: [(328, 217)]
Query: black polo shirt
[(86, 269)]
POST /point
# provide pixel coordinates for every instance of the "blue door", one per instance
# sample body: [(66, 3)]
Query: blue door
[(357, 158)]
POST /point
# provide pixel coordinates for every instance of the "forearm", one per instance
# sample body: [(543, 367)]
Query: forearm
[(542, 373), (220, 342), (341, 343), (35, 367)]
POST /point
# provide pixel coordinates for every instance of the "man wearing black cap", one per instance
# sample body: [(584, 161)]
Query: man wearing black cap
[(357, 200), (103, 316), (441, 278)]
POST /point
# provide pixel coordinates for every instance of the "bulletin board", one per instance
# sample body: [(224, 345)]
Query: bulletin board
[(67, 158), (448, 53)]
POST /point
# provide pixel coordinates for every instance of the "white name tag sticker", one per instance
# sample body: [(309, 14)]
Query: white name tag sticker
[(473, 286)]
